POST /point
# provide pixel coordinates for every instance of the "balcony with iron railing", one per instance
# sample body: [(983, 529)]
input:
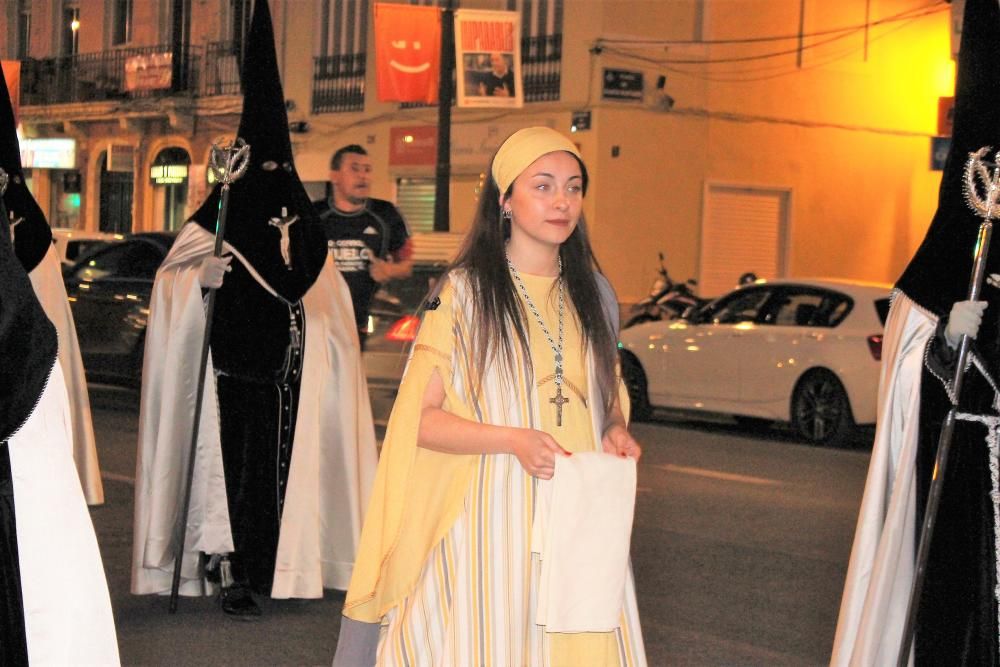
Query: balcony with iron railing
[(131, 73), (339, 83)]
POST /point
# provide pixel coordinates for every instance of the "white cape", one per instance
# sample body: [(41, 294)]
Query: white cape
[(46, 279), (880, 573), (67, 609), (333, 457)]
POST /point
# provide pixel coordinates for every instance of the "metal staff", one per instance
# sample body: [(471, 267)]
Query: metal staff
[(985, 207), (228, 163)]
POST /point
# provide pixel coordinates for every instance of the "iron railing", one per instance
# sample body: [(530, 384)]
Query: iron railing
[(120, 74), (221, 75), (339, 83)]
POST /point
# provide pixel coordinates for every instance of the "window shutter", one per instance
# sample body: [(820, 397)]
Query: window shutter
[(415, 200), (743, 230)]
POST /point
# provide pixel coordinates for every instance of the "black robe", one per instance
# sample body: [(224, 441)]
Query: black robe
[(957, 615)]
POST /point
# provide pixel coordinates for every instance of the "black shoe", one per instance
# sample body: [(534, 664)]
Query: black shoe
[(237, 602)]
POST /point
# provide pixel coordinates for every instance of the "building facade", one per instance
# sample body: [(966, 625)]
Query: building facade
[(784, 137)]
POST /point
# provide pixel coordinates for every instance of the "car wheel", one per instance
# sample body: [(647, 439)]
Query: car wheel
[(635, 383), (821, 412)]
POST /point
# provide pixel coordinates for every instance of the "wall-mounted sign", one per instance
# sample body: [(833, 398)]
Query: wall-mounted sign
[(580, 122), (48, 153), (472, 144), (940, 146), (167, 174), (152, 71), (413, 146), (622, 84)]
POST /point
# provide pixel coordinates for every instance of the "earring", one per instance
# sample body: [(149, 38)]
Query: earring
[(506, 214)]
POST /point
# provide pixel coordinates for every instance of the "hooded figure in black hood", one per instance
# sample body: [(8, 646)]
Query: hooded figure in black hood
[(42, 510), (278, 408), (32, 240), (957, 611)]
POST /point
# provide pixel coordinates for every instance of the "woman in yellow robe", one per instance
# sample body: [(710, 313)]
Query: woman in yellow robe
[(514, 365)]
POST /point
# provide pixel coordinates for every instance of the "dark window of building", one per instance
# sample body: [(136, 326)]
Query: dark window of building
[(541, 47), (23, 28), (70, 28), (339, 68), (121, 27)]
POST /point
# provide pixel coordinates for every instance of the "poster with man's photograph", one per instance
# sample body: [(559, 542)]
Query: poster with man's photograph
[(488, 54)]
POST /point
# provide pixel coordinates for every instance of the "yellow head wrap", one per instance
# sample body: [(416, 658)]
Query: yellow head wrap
[(524, 147)]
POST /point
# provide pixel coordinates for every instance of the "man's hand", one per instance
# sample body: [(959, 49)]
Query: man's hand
[(213, 270), (380, 270)]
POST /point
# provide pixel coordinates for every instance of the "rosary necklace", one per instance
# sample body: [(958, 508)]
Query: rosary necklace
[(558, 400)]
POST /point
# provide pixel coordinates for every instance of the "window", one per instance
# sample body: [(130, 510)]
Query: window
[(121, 26), (740, 306), (23, 29), (339, 68), (70, 28), (541, 47), (794, 307)]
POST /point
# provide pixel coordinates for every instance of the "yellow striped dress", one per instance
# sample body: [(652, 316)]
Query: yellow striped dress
[(475, 598)]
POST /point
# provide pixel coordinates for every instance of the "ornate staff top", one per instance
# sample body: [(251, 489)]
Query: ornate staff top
[(986, 204), (229, 162)]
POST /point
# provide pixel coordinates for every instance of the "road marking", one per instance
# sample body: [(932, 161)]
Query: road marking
[(715, 474), (115, 477)]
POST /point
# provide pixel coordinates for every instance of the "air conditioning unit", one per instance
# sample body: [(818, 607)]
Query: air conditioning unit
[(121, 157)]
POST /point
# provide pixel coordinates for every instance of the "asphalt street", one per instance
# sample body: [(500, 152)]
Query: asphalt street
[(740, 548)]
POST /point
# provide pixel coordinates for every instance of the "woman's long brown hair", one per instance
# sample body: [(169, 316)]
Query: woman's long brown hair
[(497, 311)]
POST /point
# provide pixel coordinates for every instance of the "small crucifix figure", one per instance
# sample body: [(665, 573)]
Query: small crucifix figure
[(559, 400), (283, 223), (14, 222)]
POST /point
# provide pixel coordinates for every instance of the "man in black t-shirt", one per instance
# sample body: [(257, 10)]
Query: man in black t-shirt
[(369, 238)]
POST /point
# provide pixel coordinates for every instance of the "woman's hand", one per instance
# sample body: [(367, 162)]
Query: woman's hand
[(618, 441), (536, 451)]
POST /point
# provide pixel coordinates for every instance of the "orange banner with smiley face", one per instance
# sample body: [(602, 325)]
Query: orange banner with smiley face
[(407, 52)]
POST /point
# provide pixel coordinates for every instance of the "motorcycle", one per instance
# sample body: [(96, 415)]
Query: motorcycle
[(666, 300)]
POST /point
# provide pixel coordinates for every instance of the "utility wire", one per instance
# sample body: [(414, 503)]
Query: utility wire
[(935, 6)]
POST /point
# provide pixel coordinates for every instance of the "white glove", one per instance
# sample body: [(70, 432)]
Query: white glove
[(213, 270), (964, 320)]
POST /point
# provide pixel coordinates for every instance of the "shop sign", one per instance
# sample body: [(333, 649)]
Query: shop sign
[(48, 153)]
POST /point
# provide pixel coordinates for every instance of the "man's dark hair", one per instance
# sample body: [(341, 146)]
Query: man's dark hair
[(338, 157)]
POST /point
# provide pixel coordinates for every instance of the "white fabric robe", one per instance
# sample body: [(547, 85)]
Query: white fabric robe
[(880, 573), (46, 280), (333, 457), (67, 608)]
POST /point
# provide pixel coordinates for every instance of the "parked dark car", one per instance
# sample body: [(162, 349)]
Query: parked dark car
[(109, 291)]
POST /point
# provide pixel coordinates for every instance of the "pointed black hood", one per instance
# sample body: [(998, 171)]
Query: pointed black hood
[(271, 182), (28, 342), (938, 275), (32, 236)]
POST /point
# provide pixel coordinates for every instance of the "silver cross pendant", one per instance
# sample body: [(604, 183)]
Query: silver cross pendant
[(283, 223)]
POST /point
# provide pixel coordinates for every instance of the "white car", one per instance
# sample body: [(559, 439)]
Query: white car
[(72, 244), (801, 351)]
